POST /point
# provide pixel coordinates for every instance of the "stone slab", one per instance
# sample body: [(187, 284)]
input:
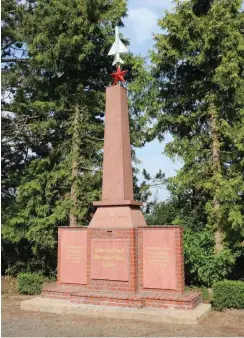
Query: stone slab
[(110, 259), (73, 257), (194, 316), (159, 259), (114, 202)]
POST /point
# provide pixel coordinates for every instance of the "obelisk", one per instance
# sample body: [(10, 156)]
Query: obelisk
[(118, 207)]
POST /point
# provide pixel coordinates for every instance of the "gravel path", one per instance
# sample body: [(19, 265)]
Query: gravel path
[(17, 323)]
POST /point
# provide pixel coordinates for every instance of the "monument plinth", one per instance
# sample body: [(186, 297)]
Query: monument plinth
[(117, 208)]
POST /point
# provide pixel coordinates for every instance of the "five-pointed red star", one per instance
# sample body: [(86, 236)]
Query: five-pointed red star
[(119, 75)]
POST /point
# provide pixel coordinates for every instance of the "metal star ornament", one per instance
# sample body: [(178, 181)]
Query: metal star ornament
[(118, 75), (118, 48)]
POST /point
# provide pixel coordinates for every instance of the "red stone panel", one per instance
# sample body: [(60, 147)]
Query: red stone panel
[(159, 259), (73, 256), (109, 259)]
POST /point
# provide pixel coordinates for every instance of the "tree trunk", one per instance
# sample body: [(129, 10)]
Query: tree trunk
[(75, 156), (218, 236)]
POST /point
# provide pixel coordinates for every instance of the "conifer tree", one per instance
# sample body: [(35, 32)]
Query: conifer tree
[(199, 88), (58, 86)]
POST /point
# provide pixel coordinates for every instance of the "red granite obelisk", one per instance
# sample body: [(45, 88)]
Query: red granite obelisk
[(118, 207)]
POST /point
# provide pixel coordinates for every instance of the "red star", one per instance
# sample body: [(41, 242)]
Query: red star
[(119, 75)]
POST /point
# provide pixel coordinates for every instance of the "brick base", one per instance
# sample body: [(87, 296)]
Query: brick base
[(164, 300), (129, 289)]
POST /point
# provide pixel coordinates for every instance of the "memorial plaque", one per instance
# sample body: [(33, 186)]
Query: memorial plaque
[(159, 259), (109, 259), (73, 257)]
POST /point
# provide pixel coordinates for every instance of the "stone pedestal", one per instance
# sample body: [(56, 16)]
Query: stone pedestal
[(132, 267)]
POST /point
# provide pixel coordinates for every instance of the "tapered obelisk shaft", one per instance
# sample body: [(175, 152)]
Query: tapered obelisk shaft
[(118, 207), (117, 169)]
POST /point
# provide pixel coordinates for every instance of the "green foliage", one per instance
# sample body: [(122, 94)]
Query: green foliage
[(205, 293), (197, 96), (161, 213), (30, 283), (195, 93), (228, 294), (54, 87), (202, 265)]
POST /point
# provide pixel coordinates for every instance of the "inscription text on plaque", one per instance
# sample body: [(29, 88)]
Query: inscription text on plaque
[(109, 259), (159, 259), (73, 257)]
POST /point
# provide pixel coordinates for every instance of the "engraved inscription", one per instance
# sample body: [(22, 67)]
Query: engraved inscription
[(112, 256), (114, 215), (159, 259), (158, 256), (74, 254), (109, 259)]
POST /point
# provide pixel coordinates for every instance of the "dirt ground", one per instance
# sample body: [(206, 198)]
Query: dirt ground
[(17, 323)]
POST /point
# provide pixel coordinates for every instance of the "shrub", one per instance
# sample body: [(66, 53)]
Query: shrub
[(30, 283), (202, 265), (228, 294)]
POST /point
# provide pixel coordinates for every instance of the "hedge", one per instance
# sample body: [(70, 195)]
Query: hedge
[(30, 283), (228, 294)]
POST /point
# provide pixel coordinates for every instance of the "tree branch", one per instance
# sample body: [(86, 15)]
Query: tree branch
[(90, 169), (94, 138), (14, 60)]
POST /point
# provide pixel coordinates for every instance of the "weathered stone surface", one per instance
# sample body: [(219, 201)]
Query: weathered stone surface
[(148, 315)]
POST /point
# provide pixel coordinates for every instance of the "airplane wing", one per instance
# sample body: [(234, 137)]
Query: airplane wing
[(118, 49), (112, 49), (122, 48)]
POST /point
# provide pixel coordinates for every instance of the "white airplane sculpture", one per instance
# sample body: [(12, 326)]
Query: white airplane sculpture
[(117, 48)]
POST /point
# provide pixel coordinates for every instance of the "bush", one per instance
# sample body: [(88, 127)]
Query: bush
[(228, 294), (30, 283), (202, 265)]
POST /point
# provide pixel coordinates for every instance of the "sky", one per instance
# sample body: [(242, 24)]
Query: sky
[(140, 25)]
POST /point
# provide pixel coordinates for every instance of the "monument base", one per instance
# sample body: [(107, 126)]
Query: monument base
[(160, 300), (145, 314), (139, 268), (114, 259)]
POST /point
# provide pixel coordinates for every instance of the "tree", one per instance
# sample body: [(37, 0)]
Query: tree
[(199, 71), (196, 94), (61, 89)]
